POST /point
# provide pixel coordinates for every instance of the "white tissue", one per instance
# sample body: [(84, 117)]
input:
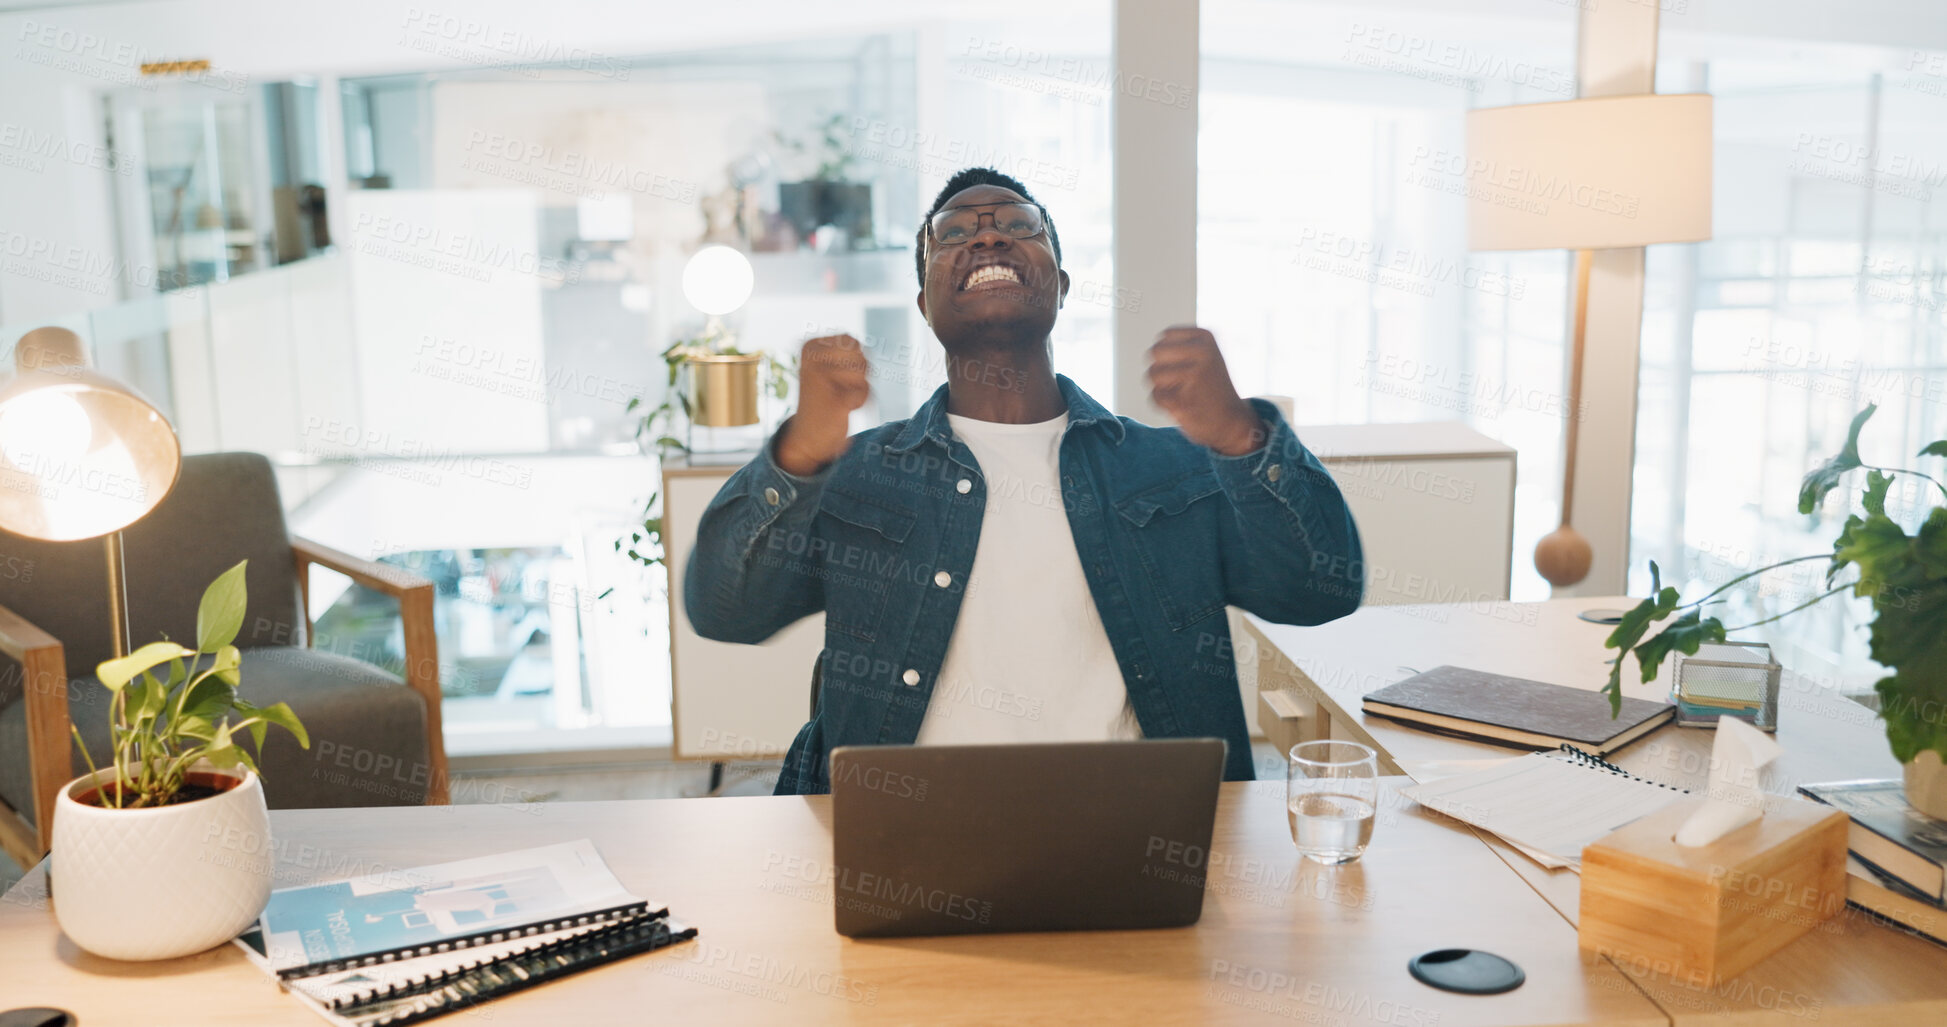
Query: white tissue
[(1736, 757)]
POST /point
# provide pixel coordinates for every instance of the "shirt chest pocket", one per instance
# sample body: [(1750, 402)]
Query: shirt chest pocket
[(1173, 530), (859, 552)]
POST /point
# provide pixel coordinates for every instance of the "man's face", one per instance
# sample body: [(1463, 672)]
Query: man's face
[(1020, 288)]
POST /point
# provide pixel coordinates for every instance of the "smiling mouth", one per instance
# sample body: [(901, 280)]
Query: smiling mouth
[(989, 276)]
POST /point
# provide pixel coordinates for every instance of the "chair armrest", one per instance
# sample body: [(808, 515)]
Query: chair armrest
[(381, 577), (415, 596), (44, 691)]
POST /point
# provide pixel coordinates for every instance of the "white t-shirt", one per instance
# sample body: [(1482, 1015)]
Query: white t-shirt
[(1028, 660)]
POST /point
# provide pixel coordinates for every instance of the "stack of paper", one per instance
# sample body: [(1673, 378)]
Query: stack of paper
[(1547, 805)]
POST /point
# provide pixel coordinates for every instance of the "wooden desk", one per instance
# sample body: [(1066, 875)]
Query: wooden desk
[(1280, 939), (1847, 971)]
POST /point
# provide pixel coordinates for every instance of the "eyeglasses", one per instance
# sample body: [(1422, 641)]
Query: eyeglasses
[(951, 226)]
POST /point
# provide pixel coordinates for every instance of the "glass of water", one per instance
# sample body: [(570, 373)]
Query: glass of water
[(1331, 794)]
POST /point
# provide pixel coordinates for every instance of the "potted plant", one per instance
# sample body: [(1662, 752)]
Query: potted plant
[(1905, 578), (828, 196), (702, 386), (165, 850)]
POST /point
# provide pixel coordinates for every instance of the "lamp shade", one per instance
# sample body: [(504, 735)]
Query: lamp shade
[(718, 279), (81, 454), (1588, 174)]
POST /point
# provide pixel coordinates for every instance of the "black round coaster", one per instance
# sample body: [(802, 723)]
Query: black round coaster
[(1602, 615), (1468, 971), (41, 1017)]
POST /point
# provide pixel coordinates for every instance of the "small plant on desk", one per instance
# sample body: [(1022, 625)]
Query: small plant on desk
[(1904, 576), (167, 850), (160, 728), (656, 429)]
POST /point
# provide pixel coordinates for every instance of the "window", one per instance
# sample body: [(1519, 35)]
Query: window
[(1332, 265), (1824, 289)]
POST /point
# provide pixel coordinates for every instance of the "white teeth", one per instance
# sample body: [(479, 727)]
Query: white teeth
[(991, 273)]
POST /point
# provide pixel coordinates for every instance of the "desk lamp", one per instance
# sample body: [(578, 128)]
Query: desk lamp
[(1604, 173), (81, 455)]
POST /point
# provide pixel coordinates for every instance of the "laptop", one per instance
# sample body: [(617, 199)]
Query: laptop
[(969, 839)]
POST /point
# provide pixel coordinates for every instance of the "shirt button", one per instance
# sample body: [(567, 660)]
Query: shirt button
[(770, 496), (911, 676), (942, 579), (963, 486), (1272, 472)]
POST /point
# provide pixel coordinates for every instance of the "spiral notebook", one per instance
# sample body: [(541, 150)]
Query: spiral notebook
[(1549, 804), (401, 945)]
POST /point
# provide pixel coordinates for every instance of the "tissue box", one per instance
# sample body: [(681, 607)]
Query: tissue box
[(1700, 915)]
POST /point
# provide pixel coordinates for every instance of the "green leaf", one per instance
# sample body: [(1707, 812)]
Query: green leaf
[(200, 728), (145, 699), (1824, 478), (281, 715), (208, 699), (1935, 448), (1683, 635), (1874, 498), (1630, 630), (228, 660), (220, 615), (1930, 545), (117, 673), (1878, 548)]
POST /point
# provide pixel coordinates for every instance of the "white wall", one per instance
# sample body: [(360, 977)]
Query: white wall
[(446, 310)]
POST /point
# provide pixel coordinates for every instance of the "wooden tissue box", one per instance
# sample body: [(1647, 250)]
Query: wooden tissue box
[(1703, 914)]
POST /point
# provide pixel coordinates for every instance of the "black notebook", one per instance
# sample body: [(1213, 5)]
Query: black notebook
[(1515, 711), (405, 945), (1889, 833)]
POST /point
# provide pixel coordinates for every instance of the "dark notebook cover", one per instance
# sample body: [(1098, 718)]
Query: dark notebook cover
[(1880, 806), (1497, 701)]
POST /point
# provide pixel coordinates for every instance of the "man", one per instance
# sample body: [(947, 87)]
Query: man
[(1013, 562)]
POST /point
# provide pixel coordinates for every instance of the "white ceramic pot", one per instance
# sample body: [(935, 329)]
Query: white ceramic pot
[(1926, 784), (164, 882)]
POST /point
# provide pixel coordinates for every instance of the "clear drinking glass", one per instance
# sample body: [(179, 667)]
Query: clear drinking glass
[(1331, 794)]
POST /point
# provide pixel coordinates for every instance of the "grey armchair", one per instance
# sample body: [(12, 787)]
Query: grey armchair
[(375, 735)]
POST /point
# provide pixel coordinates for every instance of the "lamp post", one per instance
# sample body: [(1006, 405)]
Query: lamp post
[(1604, 173), (81, 456)]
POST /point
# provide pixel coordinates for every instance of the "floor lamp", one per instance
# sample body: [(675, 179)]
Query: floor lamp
[(1585, 175), (81, 456)]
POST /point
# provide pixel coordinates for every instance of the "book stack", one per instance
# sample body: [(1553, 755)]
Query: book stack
[(1898, 869), (409, 944)]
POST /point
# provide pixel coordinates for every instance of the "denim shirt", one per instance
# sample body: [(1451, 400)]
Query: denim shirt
[(1168, 533)]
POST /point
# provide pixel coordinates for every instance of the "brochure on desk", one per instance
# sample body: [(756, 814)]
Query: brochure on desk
[(438, 905), (415, 943)]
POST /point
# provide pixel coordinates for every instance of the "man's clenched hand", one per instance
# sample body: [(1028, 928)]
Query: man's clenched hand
[(1187, 378), (832, 373)]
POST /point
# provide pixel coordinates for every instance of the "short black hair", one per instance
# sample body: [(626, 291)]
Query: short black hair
[(967, 178)]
